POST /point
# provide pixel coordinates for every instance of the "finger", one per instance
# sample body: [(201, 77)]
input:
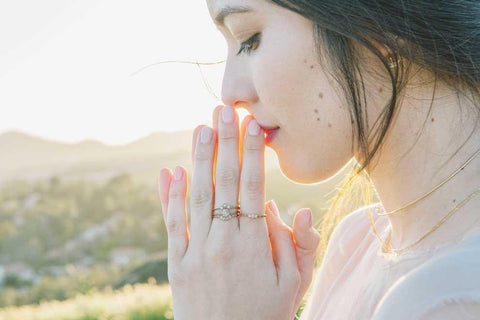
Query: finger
[(196, 132), (307, 240), (177, 217), (283, 247), (252, 184), (243, 130), (163, 188), (202, 194), (227, 174), (216, 115)]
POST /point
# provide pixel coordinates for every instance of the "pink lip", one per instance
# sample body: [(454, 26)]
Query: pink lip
[(270, 134)]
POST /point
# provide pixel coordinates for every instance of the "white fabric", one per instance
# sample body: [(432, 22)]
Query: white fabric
[(356, 282)]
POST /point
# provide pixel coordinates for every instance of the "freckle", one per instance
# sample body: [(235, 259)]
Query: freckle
[(433, 119), (453, 200), (305, 61), (353, 121), (329, 125), (380, 89), (311, 67), (320, 95), (318, 119), (316, 110)]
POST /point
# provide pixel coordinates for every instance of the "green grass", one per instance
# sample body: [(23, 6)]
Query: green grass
[(137, 302)]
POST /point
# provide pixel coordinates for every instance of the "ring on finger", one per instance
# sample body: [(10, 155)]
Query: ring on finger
[(226, 214), (252, 215)]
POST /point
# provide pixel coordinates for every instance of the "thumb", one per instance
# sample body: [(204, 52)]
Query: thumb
[(307, 240)]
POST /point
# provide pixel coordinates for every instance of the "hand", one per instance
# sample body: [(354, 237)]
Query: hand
[(240, 268)]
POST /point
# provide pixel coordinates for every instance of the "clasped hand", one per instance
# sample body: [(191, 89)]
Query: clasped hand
[(241, 268)]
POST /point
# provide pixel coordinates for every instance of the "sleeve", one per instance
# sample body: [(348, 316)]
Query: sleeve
[(345, 238), (450, 283)]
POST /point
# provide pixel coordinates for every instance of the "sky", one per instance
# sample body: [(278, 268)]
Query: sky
[(72, 70)]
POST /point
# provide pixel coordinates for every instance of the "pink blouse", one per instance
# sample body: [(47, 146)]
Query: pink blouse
[(356, 282)]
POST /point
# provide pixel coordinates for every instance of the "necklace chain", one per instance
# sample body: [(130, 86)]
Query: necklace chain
[(387, 248), (438, 186)]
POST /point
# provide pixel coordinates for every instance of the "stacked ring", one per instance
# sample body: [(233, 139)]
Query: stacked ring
[(227, 215)]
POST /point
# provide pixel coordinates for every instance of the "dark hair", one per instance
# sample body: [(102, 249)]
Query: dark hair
[(441, 36)]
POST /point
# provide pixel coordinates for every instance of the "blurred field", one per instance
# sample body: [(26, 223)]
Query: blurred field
[(82, 235), (137, 302)]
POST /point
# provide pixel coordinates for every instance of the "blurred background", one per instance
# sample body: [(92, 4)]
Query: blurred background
[(92, 107)]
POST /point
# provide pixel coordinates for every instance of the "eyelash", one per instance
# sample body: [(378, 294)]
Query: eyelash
[(247, 45)]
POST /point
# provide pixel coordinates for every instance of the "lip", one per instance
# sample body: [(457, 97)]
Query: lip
[(270, 132), (266, 127)]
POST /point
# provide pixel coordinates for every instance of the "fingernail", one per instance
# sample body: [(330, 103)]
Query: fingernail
[(227, 114), (253, 128), (205, 135), (178, 173)]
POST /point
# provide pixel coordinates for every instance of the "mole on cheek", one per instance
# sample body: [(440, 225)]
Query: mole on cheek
[(320, 95), (433, 119), (380, 89), (311, 67), (329, 125), (316, 110), (318, 119)]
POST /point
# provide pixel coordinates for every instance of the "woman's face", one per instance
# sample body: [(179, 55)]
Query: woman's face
[(282, 85)]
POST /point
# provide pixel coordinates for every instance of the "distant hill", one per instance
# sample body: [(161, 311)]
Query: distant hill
[(27, 157)]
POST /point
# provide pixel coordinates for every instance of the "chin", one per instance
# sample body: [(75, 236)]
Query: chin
[(303, 172)]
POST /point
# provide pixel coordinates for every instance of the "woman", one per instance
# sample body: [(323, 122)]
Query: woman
[(394, 85)]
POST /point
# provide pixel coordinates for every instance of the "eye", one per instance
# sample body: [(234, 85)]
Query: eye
[(248, 45)]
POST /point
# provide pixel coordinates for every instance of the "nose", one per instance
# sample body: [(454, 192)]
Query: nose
[(238, 88)]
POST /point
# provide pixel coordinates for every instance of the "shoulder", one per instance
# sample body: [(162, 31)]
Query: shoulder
[(448, 283), (345, 238), (354, 226)]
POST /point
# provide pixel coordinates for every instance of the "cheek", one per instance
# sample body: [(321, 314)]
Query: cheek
[(288, 82), (316, 139)]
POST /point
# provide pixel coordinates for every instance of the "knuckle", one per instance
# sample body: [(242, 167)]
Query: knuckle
[(253, 183), (228, 135), (227, 177), (202, 154), (253, 145), (220, 255), (173, 226), (176, 193), (200, 198), (227, 138)]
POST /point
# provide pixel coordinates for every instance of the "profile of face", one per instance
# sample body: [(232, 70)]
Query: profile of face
[(278, 79)]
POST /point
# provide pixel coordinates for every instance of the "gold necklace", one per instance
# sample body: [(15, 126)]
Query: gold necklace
[(387, 248), (438, 186)]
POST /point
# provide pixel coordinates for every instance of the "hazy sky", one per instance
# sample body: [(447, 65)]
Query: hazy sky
[(67, 67)]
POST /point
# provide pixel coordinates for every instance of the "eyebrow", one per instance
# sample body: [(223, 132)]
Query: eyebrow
[(228, 10)]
